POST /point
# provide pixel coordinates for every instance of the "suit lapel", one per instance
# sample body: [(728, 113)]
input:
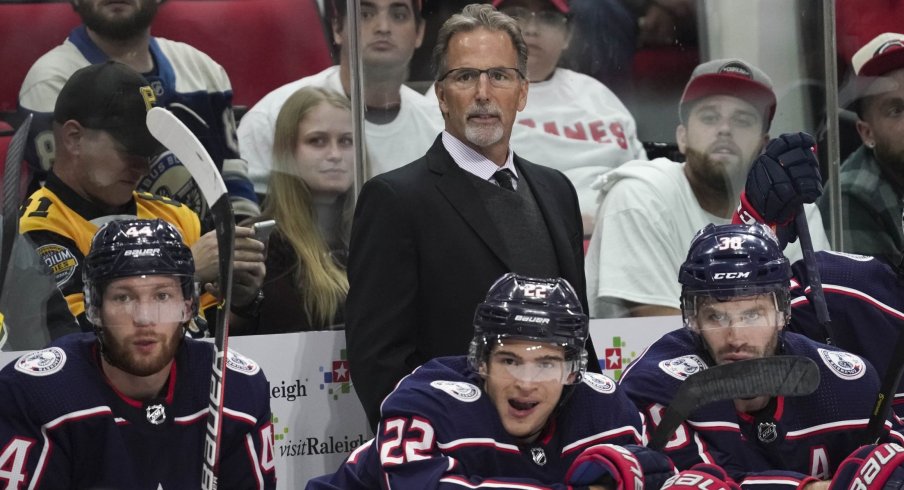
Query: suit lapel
[(553, 215), (453, 184)]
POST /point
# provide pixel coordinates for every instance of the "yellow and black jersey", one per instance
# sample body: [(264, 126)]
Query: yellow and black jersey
[(61, 224)]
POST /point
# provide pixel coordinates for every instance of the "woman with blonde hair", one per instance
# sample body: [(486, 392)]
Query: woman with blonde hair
[(311, 198)]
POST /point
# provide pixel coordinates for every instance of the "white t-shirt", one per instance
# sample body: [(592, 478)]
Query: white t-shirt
[(644, 226), (389, 146), (575, 124)]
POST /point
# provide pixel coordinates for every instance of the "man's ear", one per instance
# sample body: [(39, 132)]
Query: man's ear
[(440, 90), (338, 27), (522, 94), (866, 133), (71, 133), (681, 138)]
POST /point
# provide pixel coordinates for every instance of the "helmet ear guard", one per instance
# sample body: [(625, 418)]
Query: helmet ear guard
[(534, 310)]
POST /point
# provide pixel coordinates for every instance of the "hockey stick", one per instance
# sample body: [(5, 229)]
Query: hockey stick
[(772, 376), (887, 391), (11, 197), (170, 131), (816, 295)]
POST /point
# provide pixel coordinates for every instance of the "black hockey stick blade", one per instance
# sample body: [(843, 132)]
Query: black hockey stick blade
[(816, 295), (772, 376), (11, 196), (876, 425), (170, 131)]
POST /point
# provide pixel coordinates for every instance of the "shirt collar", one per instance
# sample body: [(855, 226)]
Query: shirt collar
[(473, 162)]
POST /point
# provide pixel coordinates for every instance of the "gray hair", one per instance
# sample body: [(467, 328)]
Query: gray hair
[(473, 17)]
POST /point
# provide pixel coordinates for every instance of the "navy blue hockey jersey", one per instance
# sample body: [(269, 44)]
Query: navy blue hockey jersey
[(865, 298), (439, 429), (63, 426), (791, 438)]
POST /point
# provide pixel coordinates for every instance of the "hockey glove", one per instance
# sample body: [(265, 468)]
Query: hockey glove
[(872, 467), (785, 176), (621, 467), (702, 476)]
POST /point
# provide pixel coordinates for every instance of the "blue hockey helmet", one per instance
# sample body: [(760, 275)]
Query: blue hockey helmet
[(539, 310), (731, 261), (136, 247)]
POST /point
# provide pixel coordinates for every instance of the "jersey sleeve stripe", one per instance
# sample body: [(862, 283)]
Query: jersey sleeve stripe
[(829, 427), (255, 464), (470, 442), (241, 416), (602, 436)]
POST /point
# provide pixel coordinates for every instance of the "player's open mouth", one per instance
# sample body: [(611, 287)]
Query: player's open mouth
[(522, 406)]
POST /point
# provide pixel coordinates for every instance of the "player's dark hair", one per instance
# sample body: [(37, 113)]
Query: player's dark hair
[(339, 10)]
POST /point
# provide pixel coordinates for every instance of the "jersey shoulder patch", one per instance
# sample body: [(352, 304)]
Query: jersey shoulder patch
[(42, 362), (600, 383), (459, 390), (60, 260), (682, 367), (241, 364), (843, 364)]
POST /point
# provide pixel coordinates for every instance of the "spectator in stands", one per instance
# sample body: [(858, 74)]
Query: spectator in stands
[(103, 151), (183, 79), (429, 239), (585, 128), (872, 178), (650, 210), (310, 198), (399, 123)]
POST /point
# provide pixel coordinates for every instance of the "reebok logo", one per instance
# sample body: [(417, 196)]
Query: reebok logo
[(532, 319), (730, 275)]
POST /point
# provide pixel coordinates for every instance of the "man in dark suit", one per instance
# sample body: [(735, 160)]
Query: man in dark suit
[(431, 237)]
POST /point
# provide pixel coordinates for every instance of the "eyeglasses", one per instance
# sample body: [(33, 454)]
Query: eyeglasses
[(546, 18), (499, 77)]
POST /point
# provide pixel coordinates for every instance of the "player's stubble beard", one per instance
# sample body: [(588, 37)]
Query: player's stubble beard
[(118, 355), (121, 29)]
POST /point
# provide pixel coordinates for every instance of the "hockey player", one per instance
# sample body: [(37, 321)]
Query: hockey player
[(185, 80), (864, 295), (126, 406), (519, 411), (735, 304)]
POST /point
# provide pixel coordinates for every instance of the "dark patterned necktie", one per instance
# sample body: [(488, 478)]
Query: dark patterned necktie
[(504, 179)]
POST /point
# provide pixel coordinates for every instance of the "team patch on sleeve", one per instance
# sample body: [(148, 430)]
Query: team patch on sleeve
[(241, 364), (844, 364), (682, 367), (60, 260), (459, 390), (599, 382), (42, 362)]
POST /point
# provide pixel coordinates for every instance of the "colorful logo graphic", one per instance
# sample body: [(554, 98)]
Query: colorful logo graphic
[(616, 358), (336, 378)]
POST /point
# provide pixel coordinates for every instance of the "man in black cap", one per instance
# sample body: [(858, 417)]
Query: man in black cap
[(103, 149)]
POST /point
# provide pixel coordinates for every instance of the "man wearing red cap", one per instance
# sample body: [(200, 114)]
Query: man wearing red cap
[(872, 178), (649, 211)]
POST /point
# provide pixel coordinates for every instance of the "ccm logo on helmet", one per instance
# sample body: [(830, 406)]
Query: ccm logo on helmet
[(873, 466), (532, 319), (730, 275)]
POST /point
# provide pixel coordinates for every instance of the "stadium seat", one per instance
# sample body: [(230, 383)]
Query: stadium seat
[(262, 44)]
